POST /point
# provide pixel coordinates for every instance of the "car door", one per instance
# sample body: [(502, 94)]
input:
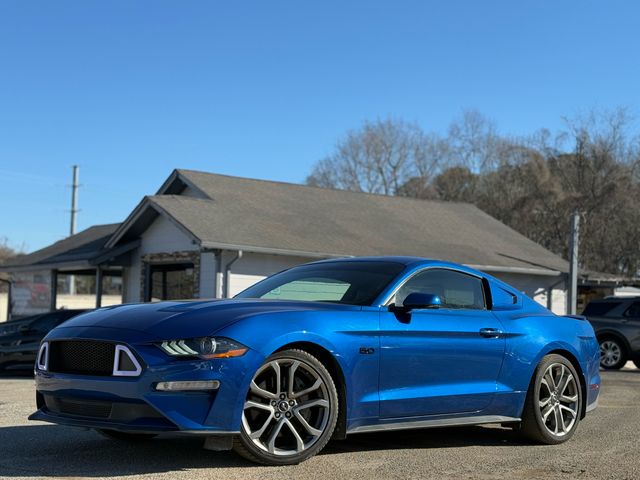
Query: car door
[(631, 326), (440, 361)]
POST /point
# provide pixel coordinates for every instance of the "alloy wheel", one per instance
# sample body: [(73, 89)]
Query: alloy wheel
[(287, 408), (558, 399), (610, 353)]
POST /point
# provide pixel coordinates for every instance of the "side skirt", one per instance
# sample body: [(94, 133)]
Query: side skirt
[(440, 422)]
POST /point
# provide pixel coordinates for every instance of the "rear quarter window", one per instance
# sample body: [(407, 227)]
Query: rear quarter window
[(500, 296)]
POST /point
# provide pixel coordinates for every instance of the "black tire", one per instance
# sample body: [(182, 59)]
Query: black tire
[(636, 363), (616, 343), (327, 414), (534, 426), (125, 436)]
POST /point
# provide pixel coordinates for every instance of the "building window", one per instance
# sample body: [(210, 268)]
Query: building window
[(171, 282)]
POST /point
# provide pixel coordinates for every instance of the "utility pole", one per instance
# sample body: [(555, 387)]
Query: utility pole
[(573, 263), (74, 215), (74, 200)]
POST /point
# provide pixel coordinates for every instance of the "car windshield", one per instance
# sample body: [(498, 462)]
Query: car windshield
[(352, 283)]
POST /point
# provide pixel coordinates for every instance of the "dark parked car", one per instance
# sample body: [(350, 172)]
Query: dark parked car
[(616, 322), (20, 339)]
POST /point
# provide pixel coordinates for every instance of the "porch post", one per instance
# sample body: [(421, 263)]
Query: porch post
[(98, 286), (54, 290), (146, 292), (219, 275)]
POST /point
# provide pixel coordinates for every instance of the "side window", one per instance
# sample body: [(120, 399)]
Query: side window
[(600, 309), (633, 311), (455, 289)]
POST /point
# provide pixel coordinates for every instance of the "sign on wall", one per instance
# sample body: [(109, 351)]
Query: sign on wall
[(30, 293)]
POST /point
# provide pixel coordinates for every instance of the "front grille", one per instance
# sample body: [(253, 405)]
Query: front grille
[(84, 357), (80, 408)]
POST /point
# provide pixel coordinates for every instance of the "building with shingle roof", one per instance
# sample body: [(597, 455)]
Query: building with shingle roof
[(206, 235)]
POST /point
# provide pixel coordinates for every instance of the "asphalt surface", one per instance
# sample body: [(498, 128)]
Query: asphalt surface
[(606, 446)]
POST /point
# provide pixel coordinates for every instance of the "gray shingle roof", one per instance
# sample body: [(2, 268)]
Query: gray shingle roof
[(261, 214), (78, 248)]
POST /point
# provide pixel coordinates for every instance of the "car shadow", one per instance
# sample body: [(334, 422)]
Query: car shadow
[(41, 451), (433, 438)]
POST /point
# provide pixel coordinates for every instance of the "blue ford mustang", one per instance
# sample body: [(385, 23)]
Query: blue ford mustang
[(321, 351)]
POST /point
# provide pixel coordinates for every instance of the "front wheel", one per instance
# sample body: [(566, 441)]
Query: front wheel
[(290, 411), (636, 363), (554, 401)]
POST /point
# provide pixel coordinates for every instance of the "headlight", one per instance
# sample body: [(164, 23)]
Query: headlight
[(203, 347)]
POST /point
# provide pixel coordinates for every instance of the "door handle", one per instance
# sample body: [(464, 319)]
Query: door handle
[(490, 332)]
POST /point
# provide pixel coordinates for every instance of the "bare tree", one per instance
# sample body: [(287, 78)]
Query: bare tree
[(380, 157), (6, 251), (473, 142)]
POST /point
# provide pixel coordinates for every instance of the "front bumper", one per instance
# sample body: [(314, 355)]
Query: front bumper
[(133, 404)]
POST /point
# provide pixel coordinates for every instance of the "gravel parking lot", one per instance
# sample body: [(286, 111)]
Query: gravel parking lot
[(606, 446)]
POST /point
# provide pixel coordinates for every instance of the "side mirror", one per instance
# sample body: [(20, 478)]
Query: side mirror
[(416, 300)]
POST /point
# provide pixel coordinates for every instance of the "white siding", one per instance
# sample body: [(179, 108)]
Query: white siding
[(559, 301), (131, 279), (207, 275), (4, 298), (253, 267), (164, 236)]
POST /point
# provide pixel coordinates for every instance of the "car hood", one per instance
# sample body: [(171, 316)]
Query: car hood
[(168, 320)]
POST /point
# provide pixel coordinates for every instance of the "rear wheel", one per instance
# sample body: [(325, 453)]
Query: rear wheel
[(290, 410), (612, 353), (554, 400), (125, 436)]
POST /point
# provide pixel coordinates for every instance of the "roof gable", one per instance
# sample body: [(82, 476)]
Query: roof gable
[(178, 183)]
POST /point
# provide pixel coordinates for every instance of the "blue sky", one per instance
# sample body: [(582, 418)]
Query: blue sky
[(130, 90)]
